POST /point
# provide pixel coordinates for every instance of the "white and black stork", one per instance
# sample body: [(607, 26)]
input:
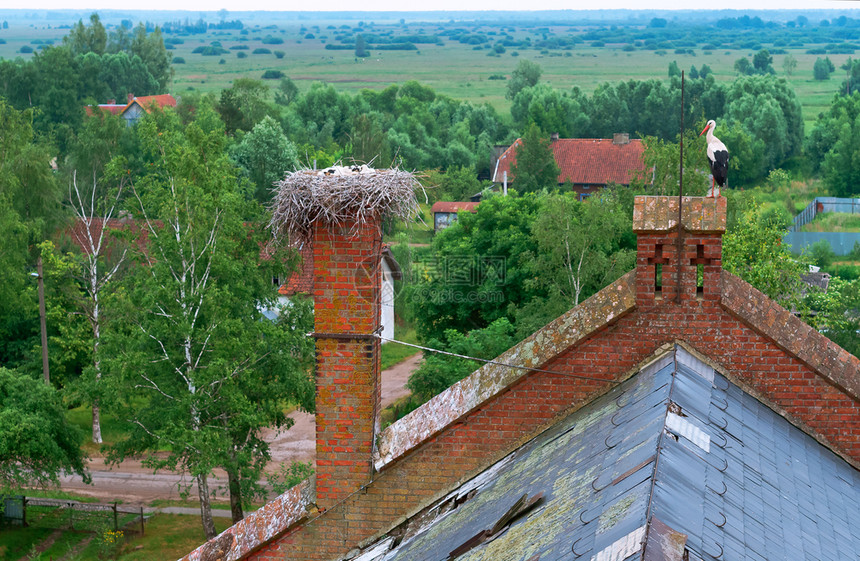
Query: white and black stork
[(718, 158)]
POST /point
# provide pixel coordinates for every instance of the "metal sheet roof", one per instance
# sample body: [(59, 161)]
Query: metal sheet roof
[(676, 442)]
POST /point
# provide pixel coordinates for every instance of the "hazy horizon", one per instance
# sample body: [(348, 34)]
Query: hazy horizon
[(439, 6)]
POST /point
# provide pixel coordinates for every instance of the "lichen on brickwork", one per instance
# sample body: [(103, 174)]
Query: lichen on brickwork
[(485, 383), (257, 528)]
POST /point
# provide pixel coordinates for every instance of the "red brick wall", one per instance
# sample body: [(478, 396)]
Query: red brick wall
[(702, 320), (436, 466), (346, 301)]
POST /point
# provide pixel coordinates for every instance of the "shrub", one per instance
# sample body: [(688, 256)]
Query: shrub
[(178, 60), (222, 61), (822, 254), (239, 48), (272, 75), (497, 77), (241, 54), (269, 40), (261, 51), (279, 54), (25, 49)]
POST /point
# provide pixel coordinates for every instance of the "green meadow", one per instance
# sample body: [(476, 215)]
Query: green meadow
[(462, 71)]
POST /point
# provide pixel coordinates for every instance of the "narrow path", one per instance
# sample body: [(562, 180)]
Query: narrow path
[(72, 554)]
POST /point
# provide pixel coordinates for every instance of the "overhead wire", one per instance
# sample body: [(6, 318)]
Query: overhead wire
[(498, 363)]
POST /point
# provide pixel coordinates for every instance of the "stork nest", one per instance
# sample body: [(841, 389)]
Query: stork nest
[(338, 196)]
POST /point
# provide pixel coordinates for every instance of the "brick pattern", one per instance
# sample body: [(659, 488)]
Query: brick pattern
[(347, 280)]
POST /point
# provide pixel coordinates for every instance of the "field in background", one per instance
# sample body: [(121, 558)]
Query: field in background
[(453, 68)]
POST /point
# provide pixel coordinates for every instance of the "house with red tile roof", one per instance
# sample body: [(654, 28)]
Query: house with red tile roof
[(679, 413), (588, 164), (135, 107), (445, 212)]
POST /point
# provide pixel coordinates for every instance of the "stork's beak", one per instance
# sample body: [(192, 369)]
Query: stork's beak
[(704, 130)]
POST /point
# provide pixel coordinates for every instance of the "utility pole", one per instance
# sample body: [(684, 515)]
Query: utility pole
[(40, 279)]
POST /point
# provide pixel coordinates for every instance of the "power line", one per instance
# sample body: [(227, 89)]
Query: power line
[(484, 360)]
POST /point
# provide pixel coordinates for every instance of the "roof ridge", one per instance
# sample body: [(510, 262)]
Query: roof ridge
[(827, 359)]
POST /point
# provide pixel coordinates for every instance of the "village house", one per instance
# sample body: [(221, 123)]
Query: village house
[(678, 413), (445, 212), (587, 164), (135, 107)]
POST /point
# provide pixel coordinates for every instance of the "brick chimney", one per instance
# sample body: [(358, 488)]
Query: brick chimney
[(655, 221), (130, 97), (621, 138), (347, 280)]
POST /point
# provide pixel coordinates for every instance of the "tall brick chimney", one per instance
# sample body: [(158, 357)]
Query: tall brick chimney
[(655, 221), (347, 280)]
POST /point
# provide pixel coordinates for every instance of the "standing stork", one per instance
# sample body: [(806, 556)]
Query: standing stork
[(718, 158)]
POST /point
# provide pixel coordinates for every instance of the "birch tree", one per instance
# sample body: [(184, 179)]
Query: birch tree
[(200, 372), (93, 212), (579, 244)]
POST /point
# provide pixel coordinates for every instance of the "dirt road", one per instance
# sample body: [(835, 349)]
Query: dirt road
[(134, 483)]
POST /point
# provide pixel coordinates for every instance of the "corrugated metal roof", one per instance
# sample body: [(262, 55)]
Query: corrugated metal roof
[(676, 442)]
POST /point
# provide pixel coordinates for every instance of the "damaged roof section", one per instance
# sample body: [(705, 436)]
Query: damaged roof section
[(628, 475)]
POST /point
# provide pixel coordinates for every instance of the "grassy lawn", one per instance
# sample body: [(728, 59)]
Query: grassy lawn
[(834, 222), (392, 353), (15, 542), (168, 536)]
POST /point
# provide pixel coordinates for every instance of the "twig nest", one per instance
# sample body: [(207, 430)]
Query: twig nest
[(340, 195)]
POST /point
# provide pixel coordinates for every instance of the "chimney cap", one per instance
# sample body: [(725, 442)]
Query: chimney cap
[(660, 214), (553, 137), (621, 138)]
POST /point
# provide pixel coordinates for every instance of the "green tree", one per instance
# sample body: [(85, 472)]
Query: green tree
[(789, 65), (287, 91), (577, 248), (525, 75), (674, 70), (743, 66), (150, 48), (265, 154), (852, 79), (437, 371), (368, 141), (753, 250), (84, 39), (836, 313), (535, 166), (361, 46), (763, 62), (37, 443), (478, 268), (704, 71), (194, 364), (823, 68)]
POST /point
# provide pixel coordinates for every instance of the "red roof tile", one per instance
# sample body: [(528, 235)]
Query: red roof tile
[(146, 101), (590, 161), (302, 281), (453, 206)]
